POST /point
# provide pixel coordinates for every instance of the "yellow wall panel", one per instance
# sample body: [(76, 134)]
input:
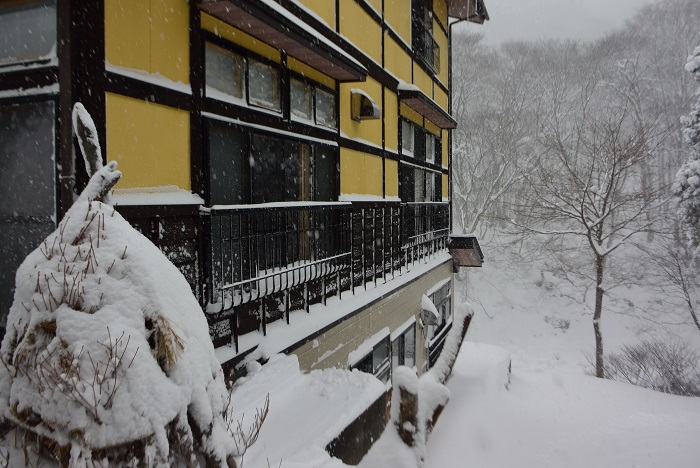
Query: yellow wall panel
[(361, 29), (411, 115), (150, 142), (170, 39), (323, 8), (370, 130), (391, 178), (441, 99), (441, 39), (396, 60), (422, 80), (391, 120), (127, 34), (377, 4), (432, 128), (310, 73), (398, 14), (445, 187), (440, 11), (221, 29), (360, 173), (152, 36)]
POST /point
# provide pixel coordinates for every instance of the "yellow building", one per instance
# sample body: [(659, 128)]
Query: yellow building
[(292, 157)]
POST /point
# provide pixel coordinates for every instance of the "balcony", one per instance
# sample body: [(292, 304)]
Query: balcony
[(425, 46), (263, 261)]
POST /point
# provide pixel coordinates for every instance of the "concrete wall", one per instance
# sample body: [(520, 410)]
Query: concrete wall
[(332, 347)]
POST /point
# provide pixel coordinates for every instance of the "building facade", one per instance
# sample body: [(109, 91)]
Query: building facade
[(291, 157)]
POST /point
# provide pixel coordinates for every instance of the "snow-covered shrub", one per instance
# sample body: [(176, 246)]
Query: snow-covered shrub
[(669, 366), (107, 356)]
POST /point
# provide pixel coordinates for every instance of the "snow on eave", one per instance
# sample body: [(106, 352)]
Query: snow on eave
[(403, 86), (367, 346), (293, 19), (152, 78), (164, 195)]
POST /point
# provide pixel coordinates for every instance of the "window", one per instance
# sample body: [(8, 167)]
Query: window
[(264, 85), (301, 100), (325, 108), (424, 45), (442, 299), (224, 71), (420, 185), (403, 348), (376, 362), (27, 31), (27, 186), (429, 148), (407, 141), (251, 167)]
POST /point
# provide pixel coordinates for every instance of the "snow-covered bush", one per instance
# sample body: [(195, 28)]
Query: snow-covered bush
[(107, 356), (669, 366)]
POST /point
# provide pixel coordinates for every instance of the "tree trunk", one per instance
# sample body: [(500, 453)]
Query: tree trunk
[(599, 270)]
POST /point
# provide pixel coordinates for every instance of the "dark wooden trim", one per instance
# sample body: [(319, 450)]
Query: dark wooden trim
[(152, 211), (360, 309), (197, 168), (66, 176), (145, 91), (361, 147), (28, 78)]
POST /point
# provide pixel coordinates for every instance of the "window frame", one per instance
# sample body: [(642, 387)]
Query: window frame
[(41, 60), (400, 342), (247, 147), (381, 370)]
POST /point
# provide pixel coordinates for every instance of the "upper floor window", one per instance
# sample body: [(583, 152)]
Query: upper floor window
[(27, 31), (424, 44), (225, 71), (430, 148), (325, 108), (264, 85), (302, 100)]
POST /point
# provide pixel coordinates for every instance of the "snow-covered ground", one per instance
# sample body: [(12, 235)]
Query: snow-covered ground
[(553, 414)]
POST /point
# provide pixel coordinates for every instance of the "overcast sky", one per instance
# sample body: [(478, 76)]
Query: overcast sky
[(533, 19)]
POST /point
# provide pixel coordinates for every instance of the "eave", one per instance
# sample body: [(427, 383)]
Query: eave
[(421, 103), (470, 10), (272, 24)]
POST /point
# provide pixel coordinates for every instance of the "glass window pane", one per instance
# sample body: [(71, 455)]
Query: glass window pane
[(224, 71), (27, 186), (325, 108), (396, 353), (407, 146), (266, 158), (292, 170), (409, 343), (380, 355), (227, 176), (301, 94), (325, 174), (418, 185), (430, 186), (27, 31), (264, 82), (429, 148)]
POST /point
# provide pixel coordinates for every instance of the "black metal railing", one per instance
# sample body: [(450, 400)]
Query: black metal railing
[(425, 46), (262, 261)]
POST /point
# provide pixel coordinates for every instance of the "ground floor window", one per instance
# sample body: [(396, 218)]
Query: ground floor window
[(27, 186), (248, 166), (442, 299), (376, 361), (403, 348)]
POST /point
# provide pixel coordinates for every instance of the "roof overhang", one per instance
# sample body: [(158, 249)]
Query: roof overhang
[(272, 24), (421, 103), (470, 10)]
